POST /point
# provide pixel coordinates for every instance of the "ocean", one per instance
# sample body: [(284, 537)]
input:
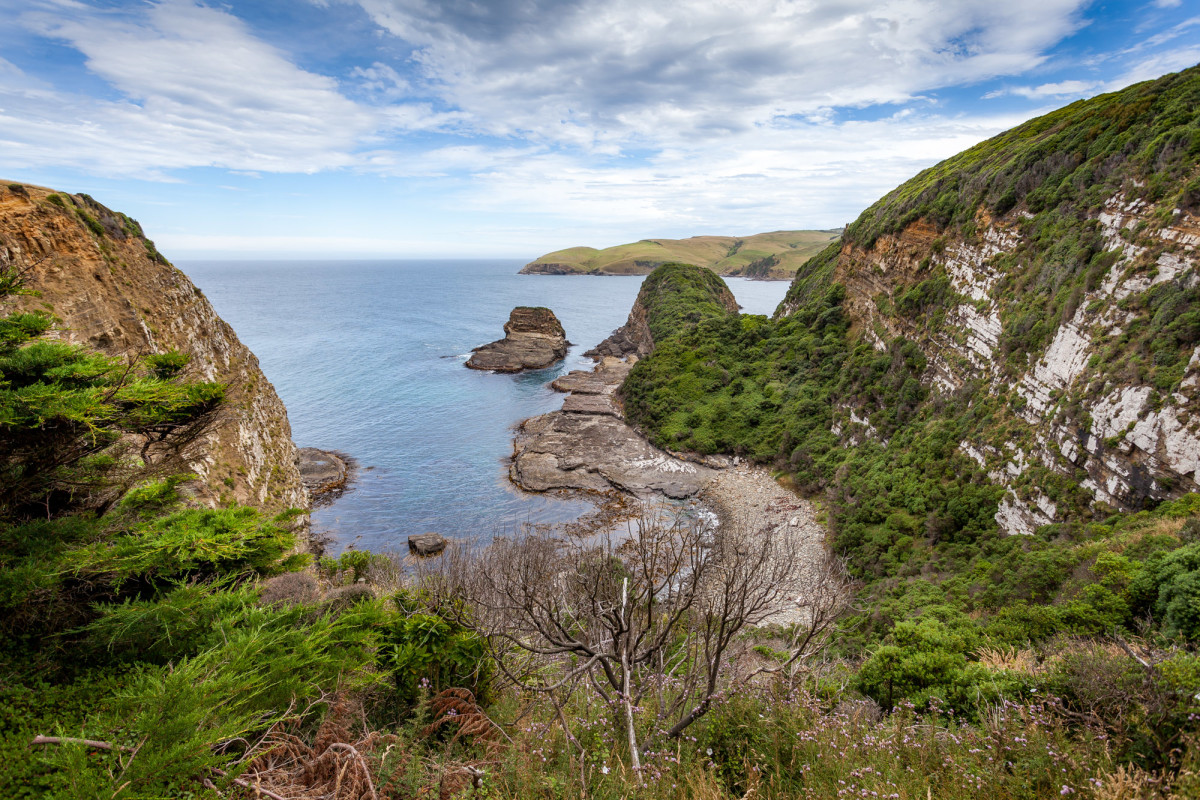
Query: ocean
[(368, 358)]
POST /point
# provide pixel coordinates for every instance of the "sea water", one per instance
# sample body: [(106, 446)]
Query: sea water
[(368, 358)]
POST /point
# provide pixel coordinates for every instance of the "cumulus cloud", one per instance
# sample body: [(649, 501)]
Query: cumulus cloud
[(1045, 90), (587, 72), (194, 88), (804, 175)]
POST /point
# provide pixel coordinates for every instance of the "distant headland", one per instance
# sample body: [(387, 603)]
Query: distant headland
[(764, 256)]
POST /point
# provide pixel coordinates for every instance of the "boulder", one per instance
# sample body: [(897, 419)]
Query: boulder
[(534, 339), (426, 544)]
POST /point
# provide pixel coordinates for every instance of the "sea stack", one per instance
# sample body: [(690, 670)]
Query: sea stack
[(534, 339)]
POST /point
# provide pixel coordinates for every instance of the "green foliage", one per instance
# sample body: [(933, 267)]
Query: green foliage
[(426, 650), (1170, 588), (61, 406), (189, 543), (167, 365), (677, 296), (253, 673)]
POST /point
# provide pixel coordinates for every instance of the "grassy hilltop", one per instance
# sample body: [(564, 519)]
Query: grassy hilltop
[(773, 256)]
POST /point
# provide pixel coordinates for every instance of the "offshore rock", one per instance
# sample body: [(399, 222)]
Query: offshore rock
[(427, 544), (534, 339), (325, 474)]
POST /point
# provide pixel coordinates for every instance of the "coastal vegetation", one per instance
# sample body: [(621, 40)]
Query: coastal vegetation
[(954, 614), (154, 648)]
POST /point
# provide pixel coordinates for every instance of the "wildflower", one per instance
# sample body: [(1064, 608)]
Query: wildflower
[(604, 769), (1067, 790)]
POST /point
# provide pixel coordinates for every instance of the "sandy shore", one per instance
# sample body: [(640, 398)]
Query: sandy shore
[(589, 448)]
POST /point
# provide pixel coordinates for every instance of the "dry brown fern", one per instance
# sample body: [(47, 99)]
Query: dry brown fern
[(336, 766), (457, 707)]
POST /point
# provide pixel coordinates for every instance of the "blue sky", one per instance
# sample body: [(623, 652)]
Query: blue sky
[(509, 128)]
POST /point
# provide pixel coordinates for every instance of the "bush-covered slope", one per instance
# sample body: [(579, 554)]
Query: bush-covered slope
[(1003, 345), (1049, 276)]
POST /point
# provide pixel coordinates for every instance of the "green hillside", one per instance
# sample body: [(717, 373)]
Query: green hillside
[(1070, 242), (775, 255)]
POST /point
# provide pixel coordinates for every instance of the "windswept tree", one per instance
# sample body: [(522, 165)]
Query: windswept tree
[(646, 620), (77, 427)]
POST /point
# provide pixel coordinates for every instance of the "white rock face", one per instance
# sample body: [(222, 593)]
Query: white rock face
[(1132, 444)]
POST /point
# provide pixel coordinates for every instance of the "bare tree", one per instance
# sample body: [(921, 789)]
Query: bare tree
[(648, 614)]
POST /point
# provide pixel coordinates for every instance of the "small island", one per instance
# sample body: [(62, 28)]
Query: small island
[(533, 339)]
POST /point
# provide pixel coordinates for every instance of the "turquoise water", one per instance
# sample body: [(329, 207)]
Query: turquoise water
[(368, 357)]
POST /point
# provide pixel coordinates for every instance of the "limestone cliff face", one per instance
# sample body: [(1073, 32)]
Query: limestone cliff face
[(1067, 407), (1050, 277), (112, 291)]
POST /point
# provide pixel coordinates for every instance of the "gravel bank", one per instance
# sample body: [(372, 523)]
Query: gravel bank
[(747, 498)]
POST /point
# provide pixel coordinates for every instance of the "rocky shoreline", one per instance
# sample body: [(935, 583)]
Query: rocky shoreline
[(326, 474), (588, 446)]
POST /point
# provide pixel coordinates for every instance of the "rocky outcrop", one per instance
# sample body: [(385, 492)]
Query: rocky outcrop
[(549, 268), (111, 290), (533, 339), (427, 544), (631, 339), (588, 446), (325, 474), (1126, 442), (659, 307)]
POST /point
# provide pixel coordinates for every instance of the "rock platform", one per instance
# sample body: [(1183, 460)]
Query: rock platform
[(588, 446)]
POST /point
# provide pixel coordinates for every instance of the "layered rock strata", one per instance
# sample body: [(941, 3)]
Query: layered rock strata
[(111, 290), (588, 446), (1126, 443), (533, 339)]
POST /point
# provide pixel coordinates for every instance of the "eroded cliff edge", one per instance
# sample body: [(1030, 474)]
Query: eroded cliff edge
[(111, 290), (1050, 278)]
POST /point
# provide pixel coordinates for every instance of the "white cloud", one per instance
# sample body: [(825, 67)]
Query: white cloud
[(1157, 65), (196, 88), (381, 81), (594, 72), (809, 175), (1045, 90)]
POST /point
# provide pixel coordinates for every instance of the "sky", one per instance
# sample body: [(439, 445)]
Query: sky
[(511, 128)]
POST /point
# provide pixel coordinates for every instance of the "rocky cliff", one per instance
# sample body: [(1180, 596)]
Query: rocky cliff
[(111, 290), (1050, 277), (674, 294)]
